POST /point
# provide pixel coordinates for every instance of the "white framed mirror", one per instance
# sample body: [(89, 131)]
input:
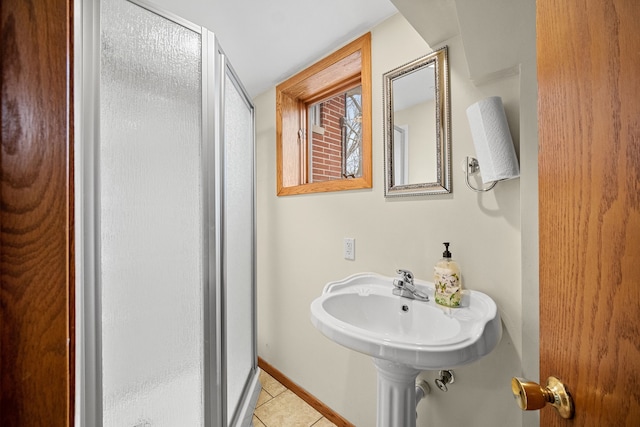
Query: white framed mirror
[(418, 127)]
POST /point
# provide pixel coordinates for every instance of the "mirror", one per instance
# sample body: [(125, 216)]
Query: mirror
[(417, 127)]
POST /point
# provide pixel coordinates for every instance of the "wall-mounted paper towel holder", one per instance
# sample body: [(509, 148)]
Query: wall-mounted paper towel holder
[(471, 167), (493, 144)]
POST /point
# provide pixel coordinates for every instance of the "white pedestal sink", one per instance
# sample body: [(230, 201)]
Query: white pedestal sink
[(404, 336)]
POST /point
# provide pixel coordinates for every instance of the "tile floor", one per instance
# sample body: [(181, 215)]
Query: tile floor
[(279, 407)]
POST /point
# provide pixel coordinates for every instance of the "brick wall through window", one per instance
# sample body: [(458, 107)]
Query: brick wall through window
[(326, 151)]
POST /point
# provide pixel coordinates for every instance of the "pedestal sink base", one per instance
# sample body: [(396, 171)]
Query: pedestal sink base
[(396, 394)]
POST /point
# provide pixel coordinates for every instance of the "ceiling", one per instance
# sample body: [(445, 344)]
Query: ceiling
[(269, 41)]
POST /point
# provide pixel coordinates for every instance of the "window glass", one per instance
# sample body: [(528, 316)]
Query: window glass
[(335, 137)]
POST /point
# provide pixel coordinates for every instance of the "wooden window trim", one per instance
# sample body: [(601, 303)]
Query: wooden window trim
[(342, 69)]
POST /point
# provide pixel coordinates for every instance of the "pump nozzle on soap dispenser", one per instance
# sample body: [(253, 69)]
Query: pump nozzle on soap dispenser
[(446, 253)]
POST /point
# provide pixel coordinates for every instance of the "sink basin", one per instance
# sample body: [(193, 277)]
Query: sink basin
[(361, 313)]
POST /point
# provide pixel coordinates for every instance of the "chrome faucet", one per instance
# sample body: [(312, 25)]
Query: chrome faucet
[(404, 287)]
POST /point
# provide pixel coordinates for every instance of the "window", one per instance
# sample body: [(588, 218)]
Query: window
[(323, 124), (335, 137)]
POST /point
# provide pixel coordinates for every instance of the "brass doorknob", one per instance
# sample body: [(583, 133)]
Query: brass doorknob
[(532, 396)]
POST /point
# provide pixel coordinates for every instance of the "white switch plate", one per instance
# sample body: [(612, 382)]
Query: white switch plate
[(349, 248)]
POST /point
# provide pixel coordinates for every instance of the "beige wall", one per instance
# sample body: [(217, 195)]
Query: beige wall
[(421, 133), (300, 250)]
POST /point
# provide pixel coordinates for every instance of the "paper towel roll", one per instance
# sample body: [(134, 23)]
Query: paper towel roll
[(492, 140)]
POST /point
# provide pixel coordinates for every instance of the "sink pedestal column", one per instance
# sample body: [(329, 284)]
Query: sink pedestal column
[(396, 394)]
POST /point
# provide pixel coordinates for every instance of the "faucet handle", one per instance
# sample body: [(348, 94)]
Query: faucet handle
[(406, 274)]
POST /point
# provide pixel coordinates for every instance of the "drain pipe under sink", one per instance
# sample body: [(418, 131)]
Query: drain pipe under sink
[(422, 389)]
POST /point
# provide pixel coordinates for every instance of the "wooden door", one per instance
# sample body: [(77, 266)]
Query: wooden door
[(589, 176), (36, 212)]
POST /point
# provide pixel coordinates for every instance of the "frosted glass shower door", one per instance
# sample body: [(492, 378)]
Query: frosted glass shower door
[(151, 219), (239, 271)]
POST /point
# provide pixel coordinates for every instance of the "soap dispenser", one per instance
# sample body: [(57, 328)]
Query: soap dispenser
[(448, 281)]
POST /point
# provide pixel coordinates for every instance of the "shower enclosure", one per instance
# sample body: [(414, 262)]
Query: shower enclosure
[(165, 224)]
